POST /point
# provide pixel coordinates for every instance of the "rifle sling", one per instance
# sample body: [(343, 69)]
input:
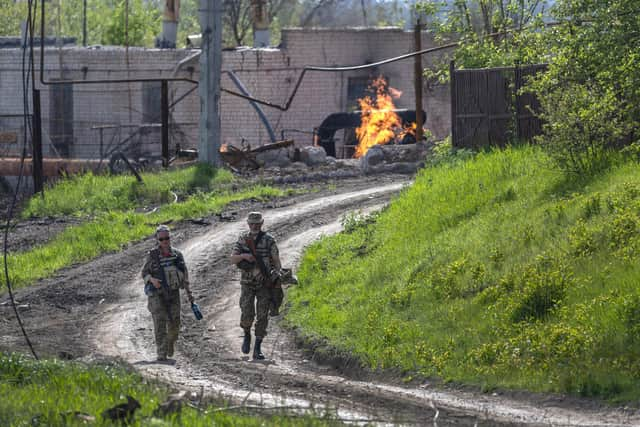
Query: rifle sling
[(252, 246)]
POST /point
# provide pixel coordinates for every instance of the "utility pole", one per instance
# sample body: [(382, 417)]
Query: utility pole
[(209, 87), (418, 80)]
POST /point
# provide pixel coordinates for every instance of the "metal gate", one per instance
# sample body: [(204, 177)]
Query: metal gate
[(487, 108)]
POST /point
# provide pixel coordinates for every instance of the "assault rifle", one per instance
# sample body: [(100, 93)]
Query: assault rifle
[(270, 277)]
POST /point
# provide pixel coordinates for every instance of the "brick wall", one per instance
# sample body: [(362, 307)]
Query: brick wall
[(108, 116)]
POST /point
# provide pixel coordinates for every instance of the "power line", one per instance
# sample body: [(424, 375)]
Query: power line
[(26, 70)]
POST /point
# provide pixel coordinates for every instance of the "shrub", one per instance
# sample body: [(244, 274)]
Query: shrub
[(355, 221), (582, 239), (624, 227), (581, 123), (543, 287), (443, 152), (630, 314), (591, 207)]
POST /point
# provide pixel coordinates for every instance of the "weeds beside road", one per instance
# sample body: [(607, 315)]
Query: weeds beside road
[(60, 393)]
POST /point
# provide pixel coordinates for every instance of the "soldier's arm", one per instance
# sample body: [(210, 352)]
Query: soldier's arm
[(238, 254), (147, 271), (185, 280)]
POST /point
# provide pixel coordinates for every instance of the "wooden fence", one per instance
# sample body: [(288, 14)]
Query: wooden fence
[(487, 108)]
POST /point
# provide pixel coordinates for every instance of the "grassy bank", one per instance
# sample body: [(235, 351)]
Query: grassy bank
[(495, 271), (47, 393), (116, 210)]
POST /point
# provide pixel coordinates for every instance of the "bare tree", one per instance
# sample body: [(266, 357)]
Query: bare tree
[(237, 17), (315, 10)]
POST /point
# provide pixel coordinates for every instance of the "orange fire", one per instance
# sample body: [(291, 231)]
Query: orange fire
[(224, 148), (379, 124)]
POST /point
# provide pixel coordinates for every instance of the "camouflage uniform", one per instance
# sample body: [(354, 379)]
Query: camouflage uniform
[(255, 298), (164, 304)]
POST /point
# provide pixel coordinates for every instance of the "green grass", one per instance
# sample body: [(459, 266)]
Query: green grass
[(495, 271), (106, 205), (92, 194), (40, 393)]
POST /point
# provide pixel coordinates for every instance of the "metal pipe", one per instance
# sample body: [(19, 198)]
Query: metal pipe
[(94, 81), (236, 80), (50, 167), (183, 61), (418, 80), (38, 178), (254, 104), (284, 107)]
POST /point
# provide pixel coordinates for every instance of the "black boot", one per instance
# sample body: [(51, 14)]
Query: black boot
[(246, 343), (257, 353)]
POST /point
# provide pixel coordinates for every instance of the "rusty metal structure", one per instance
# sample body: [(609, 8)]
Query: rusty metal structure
[(245, 157)]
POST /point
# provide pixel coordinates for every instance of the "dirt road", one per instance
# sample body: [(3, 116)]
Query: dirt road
[(98, 310)]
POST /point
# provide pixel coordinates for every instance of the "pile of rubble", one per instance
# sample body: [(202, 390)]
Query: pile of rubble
[(297, 163)]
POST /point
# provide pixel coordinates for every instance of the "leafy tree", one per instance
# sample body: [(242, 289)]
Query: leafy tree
[(11, 15), (189, 20), (591, 94), (105, 20), (143, 24), (490, 33)]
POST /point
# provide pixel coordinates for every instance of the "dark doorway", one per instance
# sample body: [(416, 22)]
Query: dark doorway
[(61, 118)]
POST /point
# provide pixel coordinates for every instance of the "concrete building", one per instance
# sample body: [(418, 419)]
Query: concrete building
[(95, 120)]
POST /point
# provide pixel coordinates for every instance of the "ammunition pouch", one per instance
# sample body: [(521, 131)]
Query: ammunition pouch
[(175, 278)]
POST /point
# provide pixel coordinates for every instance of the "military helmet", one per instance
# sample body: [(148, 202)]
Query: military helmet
[(254, 218), (162, 228)]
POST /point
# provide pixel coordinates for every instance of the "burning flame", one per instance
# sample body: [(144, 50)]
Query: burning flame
[(379, 123), (224, 148)]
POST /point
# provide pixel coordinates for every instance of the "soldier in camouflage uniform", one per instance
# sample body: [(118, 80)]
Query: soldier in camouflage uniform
[(258, 296), (164, 274)]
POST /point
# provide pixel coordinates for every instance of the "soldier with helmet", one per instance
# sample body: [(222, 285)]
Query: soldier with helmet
[(256, 254), (164, 274)]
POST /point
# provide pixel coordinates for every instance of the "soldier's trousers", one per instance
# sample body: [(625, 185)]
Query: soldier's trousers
[(255, 301), (165, 327)]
